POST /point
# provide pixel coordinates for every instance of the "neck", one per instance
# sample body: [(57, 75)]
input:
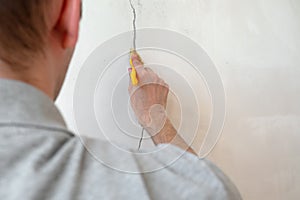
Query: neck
[(35, 75)]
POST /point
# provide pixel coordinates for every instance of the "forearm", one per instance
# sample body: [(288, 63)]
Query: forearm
[(168, 134)]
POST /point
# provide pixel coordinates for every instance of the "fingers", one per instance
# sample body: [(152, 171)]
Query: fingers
[(137, 67), (136, 59), (148, 76), (144, 75)]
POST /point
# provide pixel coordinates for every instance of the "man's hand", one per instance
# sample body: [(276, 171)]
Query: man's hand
[(149, 101), (149, 98)]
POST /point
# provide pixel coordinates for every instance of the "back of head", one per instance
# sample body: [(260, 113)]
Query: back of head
[(22, 29)]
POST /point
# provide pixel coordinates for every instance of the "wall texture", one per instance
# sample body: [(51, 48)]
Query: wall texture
[(255, 46)]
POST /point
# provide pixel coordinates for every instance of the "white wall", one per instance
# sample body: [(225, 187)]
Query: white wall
[(256, 47)]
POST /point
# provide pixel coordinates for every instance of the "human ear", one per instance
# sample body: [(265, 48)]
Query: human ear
[(68, 23)]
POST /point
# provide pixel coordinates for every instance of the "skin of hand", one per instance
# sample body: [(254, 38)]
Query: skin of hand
[(149, 98), (149, 101)]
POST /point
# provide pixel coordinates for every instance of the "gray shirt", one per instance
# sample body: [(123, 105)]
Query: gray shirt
[(41, 159)]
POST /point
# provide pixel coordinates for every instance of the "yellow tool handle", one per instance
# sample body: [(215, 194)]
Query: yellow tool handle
[(133, 74)]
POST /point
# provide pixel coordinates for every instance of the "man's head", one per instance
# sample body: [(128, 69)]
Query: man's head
[(37, 41)]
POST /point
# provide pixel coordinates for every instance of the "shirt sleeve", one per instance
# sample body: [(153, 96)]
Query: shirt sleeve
[(187, 177)]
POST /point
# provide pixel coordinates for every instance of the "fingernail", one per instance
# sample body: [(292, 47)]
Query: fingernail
[(129, 72)]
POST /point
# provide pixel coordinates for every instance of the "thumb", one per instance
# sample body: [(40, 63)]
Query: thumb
[(136, 59), (137, 62)]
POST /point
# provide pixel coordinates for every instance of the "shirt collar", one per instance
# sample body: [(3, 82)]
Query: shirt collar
[(23, 104)]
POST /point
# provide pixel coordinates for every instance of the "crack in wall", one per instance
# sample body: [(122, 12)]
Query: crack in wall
[(133, 23)]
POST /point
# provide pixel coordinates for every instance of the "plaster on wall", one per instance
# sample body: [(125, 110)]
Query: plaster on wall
[(255, 45)]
